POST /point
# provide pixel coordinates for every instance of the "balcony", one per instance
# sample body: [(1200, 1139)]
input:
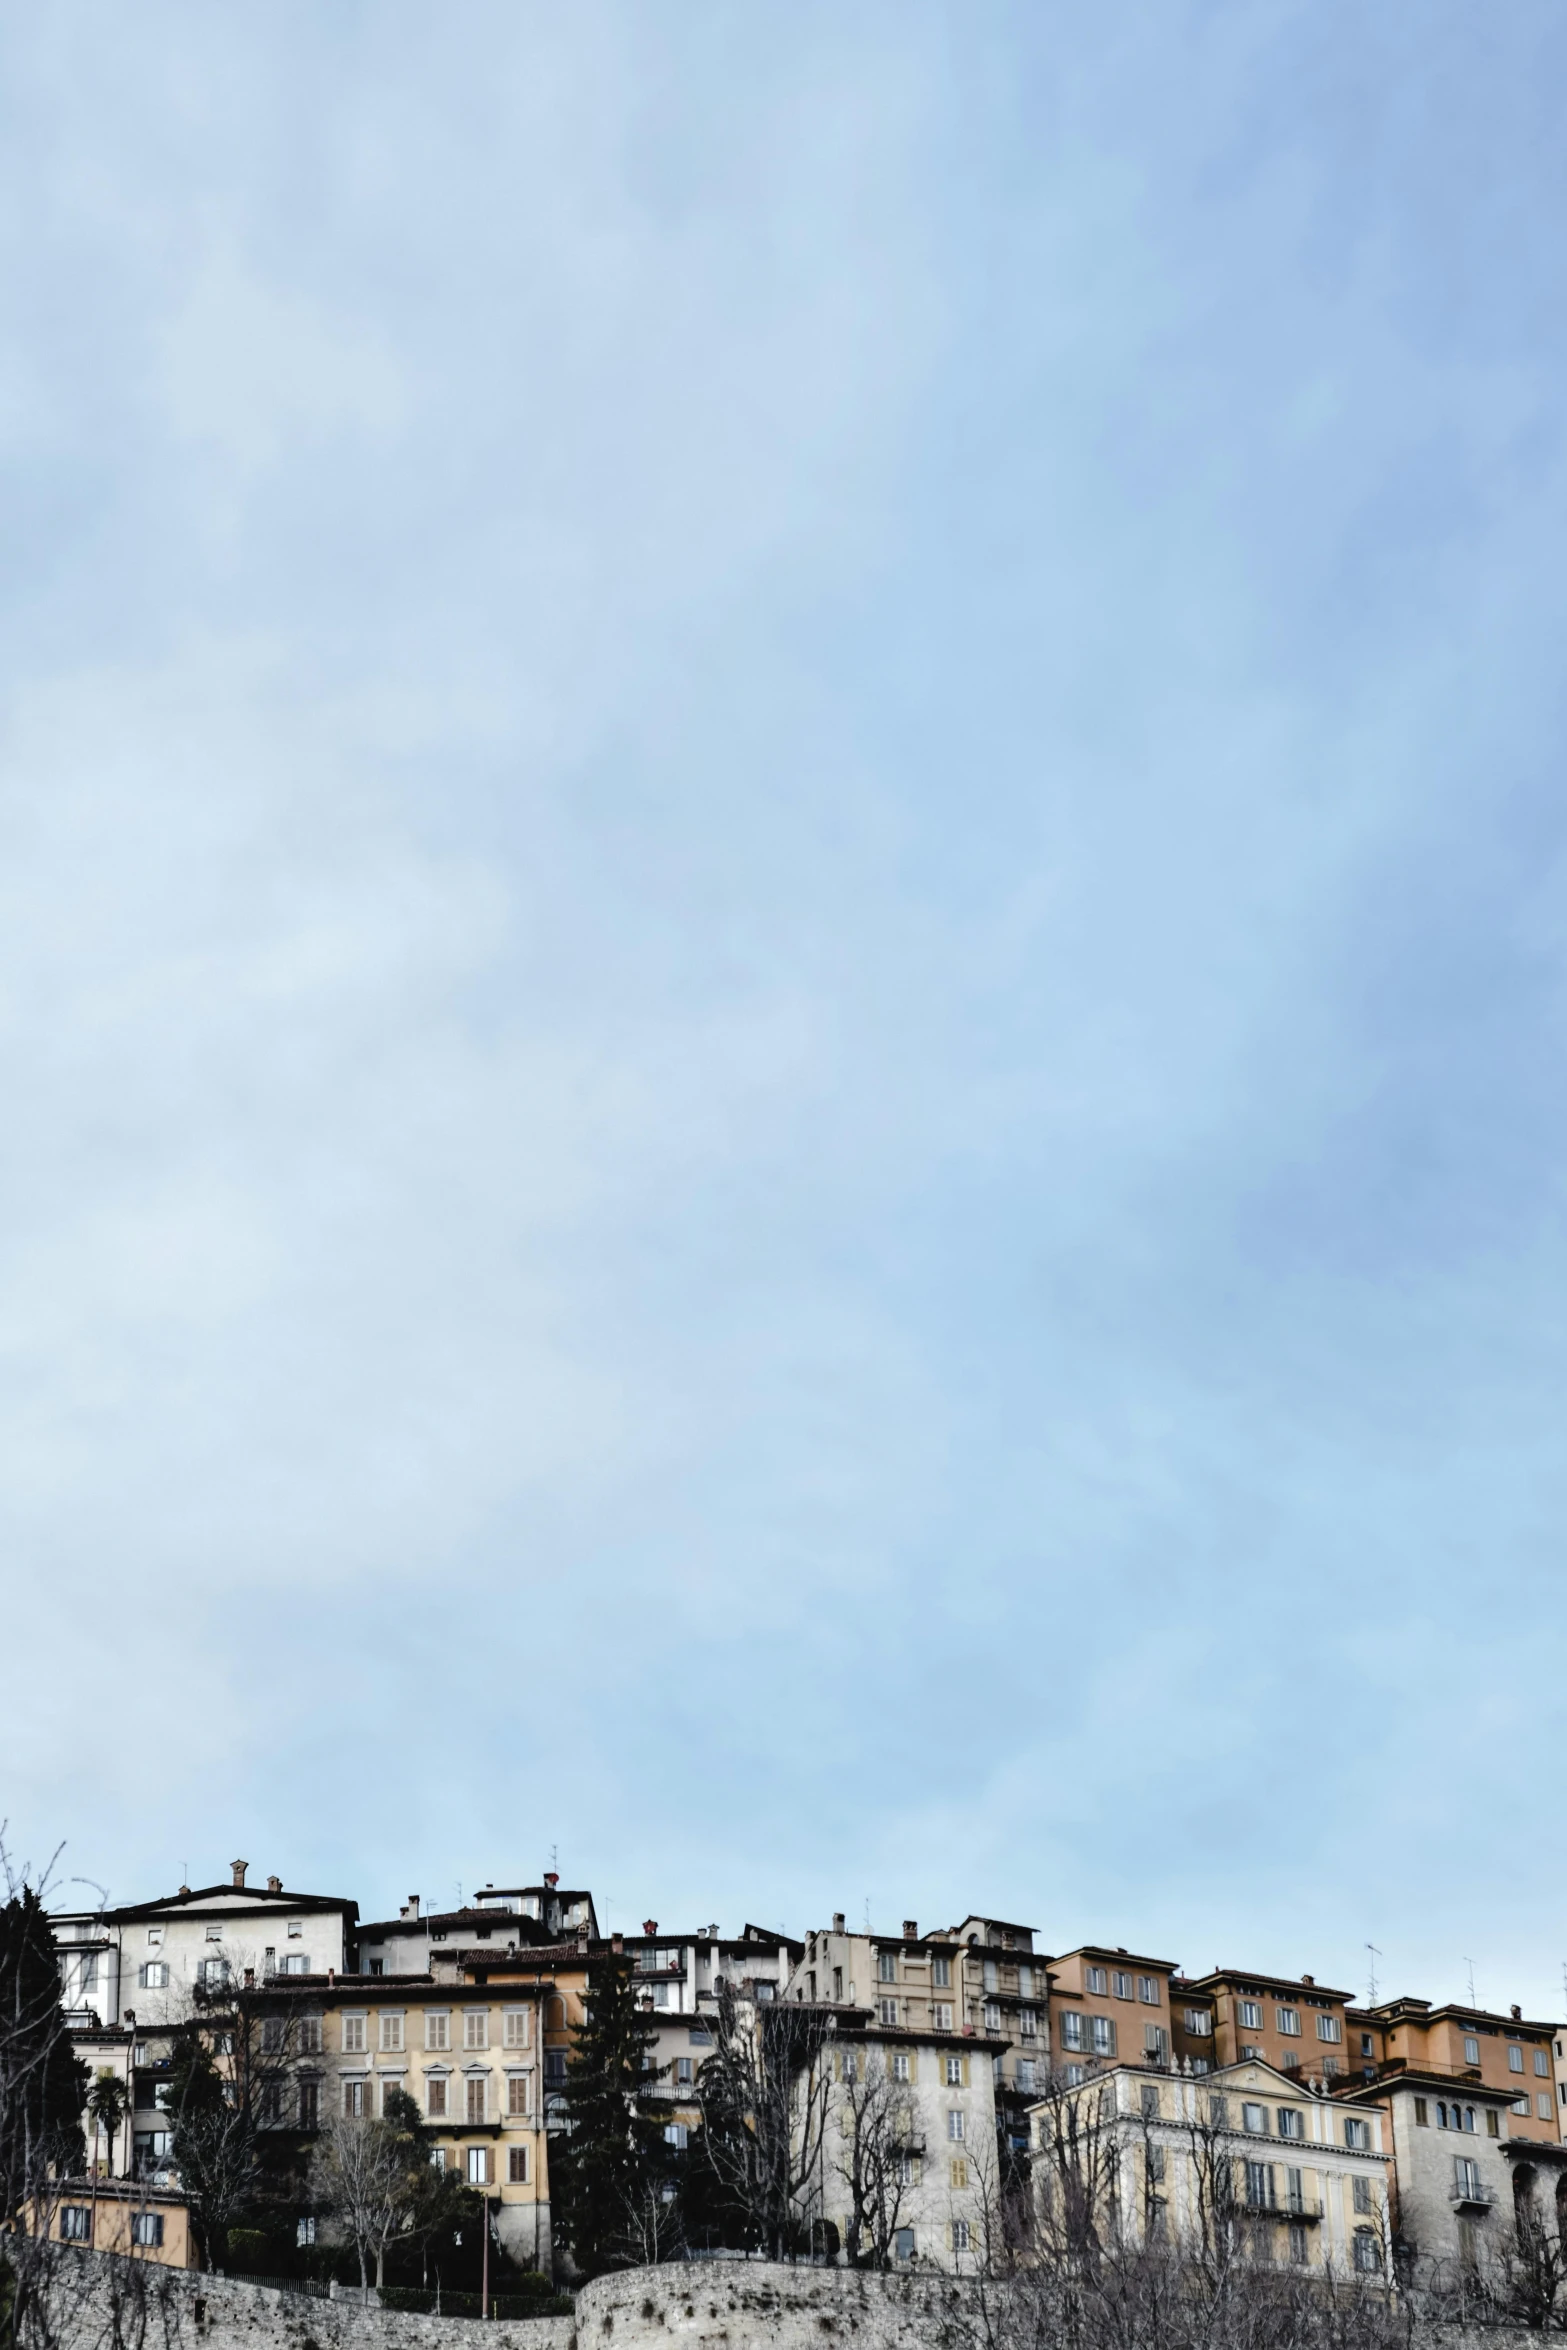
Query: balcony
[(1475, 2196), (1304, 2208)]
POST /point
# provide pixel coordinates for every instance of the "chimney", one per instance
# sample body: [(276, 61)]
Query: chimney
[(130, 2017), (650, 1925), (274, 1884), (1516, 2014), (552, 1878), (837, 1921), (413, 1905), (239, 1867), (617, 1942), (1308, 1978), (911, 1931), (250, 1978)]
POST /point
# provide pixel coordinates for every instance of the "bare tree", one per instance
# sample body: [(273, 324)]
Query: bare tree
[(876, 2136), (375, 2179), (765, 2094)]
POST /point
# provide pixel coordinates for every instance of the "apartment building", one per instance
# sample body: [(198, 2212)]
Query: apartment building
[(1109, 2007), (152, 1957), (1453, 2182), (677, 1977), (1294, 2023), (497, 1918), (127, 2217), (947, 2151), (1309, 2182), (1504, 2053)]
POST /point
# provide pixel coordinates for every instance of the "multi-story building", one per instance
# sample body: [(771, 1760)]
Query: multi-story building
[(1507, 2054), (1109, 2006), (677, 1978), (1292, 2022), (496, 1920), (152, 1957), (1247, 2144), (1449, 2138)]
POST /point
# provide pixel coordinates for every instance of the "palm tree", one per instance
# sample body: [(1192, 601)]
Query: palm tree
[(106, 2104)]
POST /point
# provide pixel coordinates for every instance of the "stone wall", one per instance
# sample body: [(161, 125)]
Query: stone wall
[(757, 2305)]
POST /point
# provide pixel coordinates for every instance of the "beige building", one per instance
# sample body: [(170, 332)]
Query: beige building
[(1246, 2146), (1459, 2165), (498, 1921)]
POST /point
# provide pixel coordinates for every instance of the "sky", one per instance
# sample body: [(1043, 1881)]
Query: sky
[(783, 963)]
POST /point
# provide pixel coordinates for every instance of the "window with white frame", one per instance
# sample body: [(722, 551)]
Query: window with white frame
[(941, 1974), (1292, 2122), (1288, 2021), (941, 2016), (1096, 1982), (516, 2093), (886, 1966), (1073, 2029), (435, 2096), (955, 2124), (1148, 1990), (1254, 2117), (888, 2010), (477, 2097), (1542, 2062), (154, 1976), (1471, 2049), (296, 1928), (960, 2235), (354, 2034), (1120, 1984), (900, 2064), (478, 2165), (1249, 2012), (1025, 2072), (437, 2028), (992, 2015), (154, 1937), (1514, 2058), (76, 2223), (517, 2165), (1199, 2023), (1329, 2028), (476, 2027), (1102, 2034), (516, 2027), (1357, 2133), (215, 1934), (392, 2032), (1028, 2023), (954, 2072)]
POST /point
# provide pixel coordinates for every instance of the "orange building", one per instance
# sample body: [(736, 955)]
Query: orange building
[(1110, 2006), (128, 2216), (1503, 2053), (1291, 2022)]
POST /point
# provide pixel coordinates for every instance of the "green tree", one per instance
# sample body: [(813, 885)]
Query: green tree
[(106, 2104), (213, 2141), (43, 2083), (610, 2166)]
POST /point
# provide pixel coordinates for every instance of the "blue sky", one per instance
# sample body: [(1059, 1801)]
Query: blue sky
[(783, 946)]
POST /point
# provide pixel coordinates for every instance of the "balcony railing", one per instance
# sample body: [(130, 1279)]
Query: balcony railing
[(1475, 2193)]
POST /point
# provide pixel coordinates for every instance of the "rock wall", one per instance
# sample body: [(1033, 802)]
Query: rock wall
[(757, 2305)]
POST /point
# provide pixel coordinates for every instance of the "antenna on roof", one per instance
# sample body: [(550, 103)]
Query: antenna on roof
[(555, 1857), (1375, 1955), (1470, 1964), (867, 1913)]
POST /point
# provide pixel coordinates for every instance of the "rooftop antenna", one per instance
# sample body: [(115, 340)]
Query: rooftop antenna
[(555, 1858), (1470, 1964), (1375, 1955), (867, 1913)]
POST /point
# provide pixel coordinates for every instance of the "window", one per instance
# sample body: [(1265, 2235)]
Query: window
[(851, 2067), (270, 2101), (992, 1975), (908, 2170), (900, 2065), (1254, 2117), (1493, 2127), (1520, 2104), (960, 2235), (1366, 2048), (886, 1966), (903, 2246), (1072, 2032), (309, 2105), (271, 2034), (1199, 2023), (1292, 2122), (955, 2125), (1156, 2042), (954, 2072), (1422, 2114), (517, 2165), (1471, 2049), (154, 1937), (437, 2028), (1298, 2253), (1102, 2029), (1329, 2028), (476, 2099), (1259, 2186), (1361, 2194), (941, 2017), (1357, 2134), (941, 1974), (353, 2034), (353, 2098), (1542, 2104), (555, 2067), (1367, 2259), (76, 2223), (1025, 2072), (1250, 2015), (435, 2096), (478, 2164), (1201, 2064), (310, 2035), (677, 2134), (1150, 2103), (1097, 1981), (214, 1933), (887, 2009), (296, 1927), (959, 2171), (517, 2093), (685, 2072), (1542, 2062), (1028, 2023), (1466, 2178), (154, 1976), (305, 2229), (476, 2028), (1148, 1990), (992, 2015), (392, 2032), (213, 1972), (516, 2027), (699, 2036), (1155, 2160), (1025, 1982), (1075, 2075), (1288, 2021), (1514, 2058), (1121, 1984)]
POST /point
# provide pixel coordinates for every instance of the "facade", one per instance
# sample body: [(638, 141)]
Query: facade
[(1109, 2007), (677, 1978), (1453, 2190), (137, 2221), (1245, 2146), (1466, 2045), (1291, 2022)]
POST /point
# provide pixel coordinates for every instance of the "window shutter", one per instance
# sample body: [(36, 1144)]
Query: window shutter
[(965, 2072), (914, 2066)]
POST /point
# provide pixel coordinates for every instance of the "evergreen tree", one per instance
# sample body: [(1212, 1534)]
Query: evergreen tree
[(43, 2083), (610, 2167)]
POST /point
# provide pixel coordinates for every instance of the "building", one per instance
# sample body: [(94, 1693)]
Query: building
[(1107, 2007), (1466, 2044), (1246, 2146), (1449, 2138), (1294, 2023), (677, 1977), (128, 2217), (497, 1919)]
